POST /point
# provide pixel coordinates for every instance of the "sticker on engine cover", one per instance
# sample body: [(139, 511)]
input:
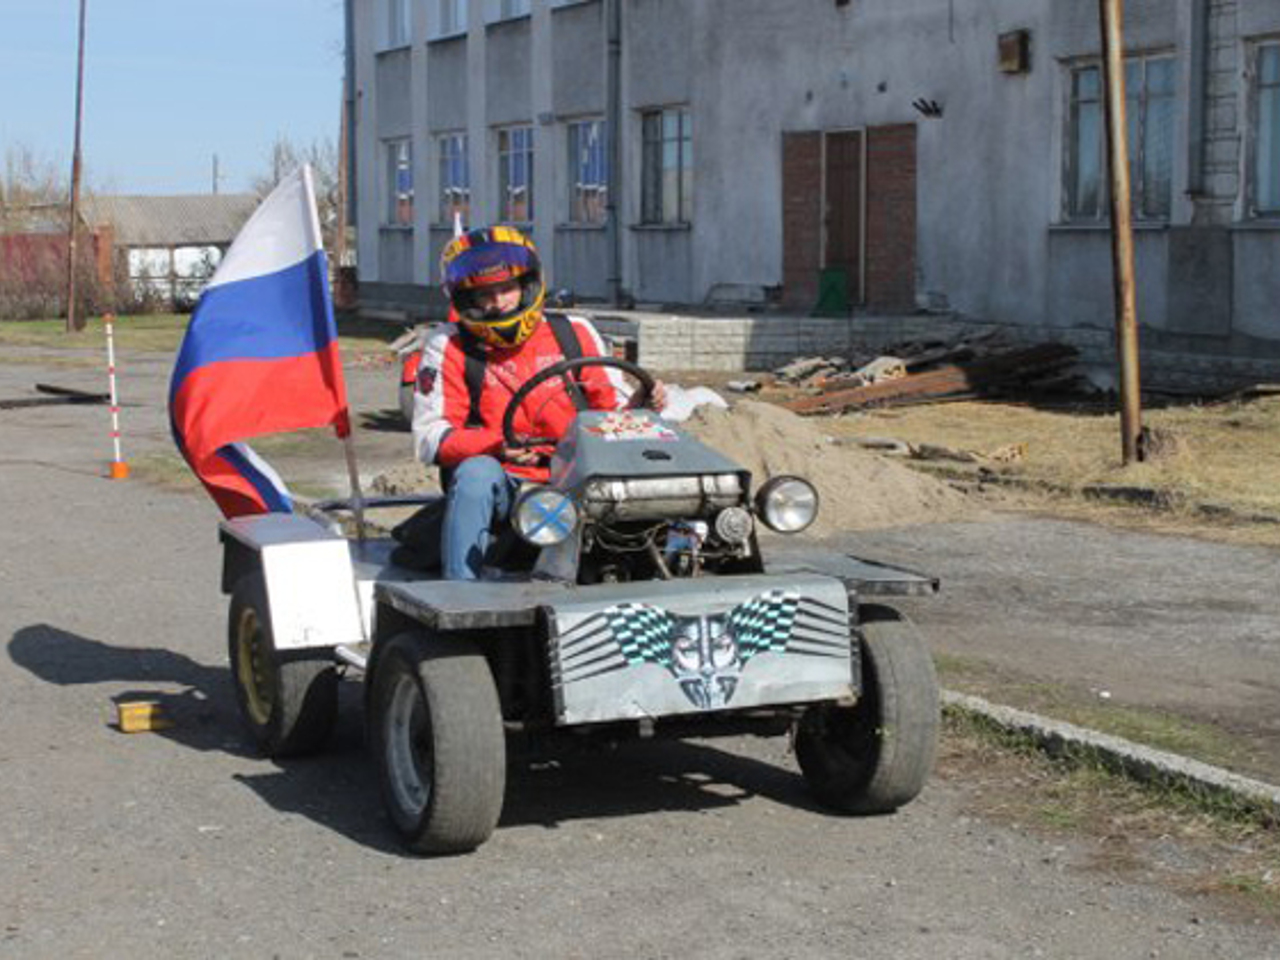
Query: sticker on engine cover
[(629, 425)]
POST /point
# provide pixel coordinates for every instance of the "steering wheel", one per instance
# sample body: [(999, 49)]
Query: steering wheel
[(562, 369)]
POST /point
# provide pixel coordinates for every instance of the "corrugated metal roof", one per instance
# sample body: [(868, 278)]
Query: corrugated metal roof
[(191, 220)]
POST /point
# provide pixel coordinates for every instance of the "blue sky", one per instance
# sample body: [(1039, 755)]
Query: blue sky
[(169, 83)]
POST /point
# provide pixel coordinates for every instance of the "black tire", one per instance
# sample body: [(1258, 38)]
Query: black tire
[(876, 756), (406, 402), (436, 730), (288, 701)]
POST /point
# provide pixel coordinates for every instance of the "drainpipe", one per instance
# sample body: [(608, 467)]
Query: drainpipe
[(1197, 81), (613, 126), (349, 111)]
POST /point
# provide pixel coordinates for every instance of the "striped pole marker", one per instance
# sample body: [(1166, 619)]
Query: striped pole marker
[(119, 469)]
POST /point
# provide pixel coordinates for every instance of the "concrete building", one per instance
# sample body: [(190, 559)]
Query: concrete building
[(883, 158)]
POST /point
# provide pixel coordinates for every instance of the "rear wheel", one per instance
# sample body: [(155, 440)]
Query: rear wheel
[(876, 756), (289, 702), (436, 730), (406, 402)]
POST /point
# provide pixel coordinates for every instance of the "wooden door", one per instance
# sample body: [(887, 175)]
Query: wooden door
[(843, 213)]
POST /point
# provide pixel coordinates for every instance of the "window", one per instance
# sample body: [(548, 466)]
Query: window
[(453, 17), (588, 172), (455, 178), (1267, 143), (512, 8), (399, 182), (666, 189), (397, 23), (515, 174), (1149, 108)]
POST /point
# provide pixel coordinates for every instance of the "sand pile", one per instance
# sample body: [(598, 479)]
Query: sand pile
[(859, 489)]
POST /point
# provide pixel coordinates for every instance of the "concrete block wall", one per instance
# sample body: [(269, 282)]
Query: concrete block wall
[(761, 343)]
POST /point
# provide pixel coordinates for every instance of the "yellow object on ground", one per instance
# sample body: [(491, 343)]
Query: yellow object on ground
[(142, 716)]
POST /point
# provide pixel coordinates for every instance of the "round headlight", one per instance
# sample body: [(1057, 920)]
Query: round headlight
[(787, 504), (734, 525), (544, 517)]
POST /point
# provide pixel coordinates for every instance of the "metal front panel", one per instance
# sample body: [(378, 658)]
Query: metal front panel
[(694, 646), (312, 594)]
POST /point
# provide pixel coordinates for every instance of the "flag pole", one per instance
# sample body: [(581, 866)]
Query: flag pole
[(357, 496)]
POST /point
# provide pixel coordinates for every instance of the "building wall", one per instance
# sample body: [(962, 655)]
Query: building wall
[(976, 226)]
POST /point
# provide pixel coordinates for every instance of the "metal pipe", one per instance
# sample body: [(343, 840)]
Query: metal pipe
[(1197, 84), (74, 323), (1112, 15), (349, 118), (613, 126)]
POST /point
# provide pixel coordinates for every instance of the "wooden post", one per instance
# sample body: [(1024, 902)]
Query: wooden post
[(1112, 15)]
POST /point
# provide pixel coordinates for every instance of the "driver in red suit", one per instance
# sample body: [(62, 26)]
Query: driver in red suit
[(471, 369)]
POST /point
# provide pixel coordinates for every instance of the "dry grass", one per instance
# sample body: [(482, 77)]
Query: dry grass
[(1225, 454), (163, 332), (1132, 829), (1161, 729), (146, 332)]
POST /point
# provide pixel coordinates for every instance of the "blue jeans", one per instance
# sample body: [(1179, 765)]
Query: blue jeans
[(479, 493)]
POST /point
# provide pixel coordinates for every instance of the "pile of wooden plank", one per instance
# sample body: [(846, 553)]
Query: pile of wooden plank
[(935, 373)]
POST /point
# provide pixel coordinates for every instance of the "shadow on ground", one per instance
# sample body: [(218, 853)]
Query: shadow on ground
[(548, 784)]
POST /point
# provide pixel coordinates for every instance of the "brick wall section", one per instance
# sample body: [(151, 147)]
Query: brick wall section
[(801, 217), (891, 218)]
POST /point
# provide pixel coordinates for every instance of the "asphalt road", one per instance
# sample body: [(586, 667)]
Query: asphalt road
[(183, 843)]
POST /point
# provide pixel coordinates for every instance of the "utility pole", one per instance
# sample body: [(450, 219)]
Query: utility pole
[(215, 174), (1112, 16), (75, 323)]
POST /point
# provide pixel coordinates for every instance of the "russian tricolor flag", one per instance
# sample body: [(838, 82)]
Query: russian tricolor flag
[(261, 353)]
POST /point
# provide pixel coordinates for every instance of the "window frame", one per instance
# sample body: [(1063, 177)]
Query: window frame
[(453, 155), (588, 195), (507, 154), (656, 207), (399, 24), (397, 206), (1258, 206), (512, 9), (1140, 104), (451, 18)]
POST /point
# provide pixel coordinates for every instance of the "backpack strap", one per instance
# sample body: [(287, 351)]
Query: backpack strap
[(566, 337), (473, 373)]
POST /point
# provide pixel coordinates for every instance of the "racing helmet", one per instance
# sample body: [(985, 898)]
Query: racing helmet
[(481, 258)]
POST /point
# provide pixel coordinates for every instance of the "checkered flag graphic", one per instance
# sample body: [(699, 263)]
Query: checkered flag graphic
[(644, 634), (764, 623)]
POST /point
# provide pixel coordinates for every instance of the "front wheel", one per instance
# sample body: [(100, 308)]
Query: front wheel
[(289, 702), (875, 757), (436, 731)]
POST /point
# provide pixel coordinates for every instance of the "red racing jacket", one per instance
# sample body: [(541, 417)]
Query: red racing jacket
[(447, 431)]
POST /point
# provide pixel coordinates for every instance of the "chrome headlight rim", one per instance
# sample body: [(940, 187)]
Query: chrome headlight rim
[(544, 516), (734, 525), (787, 492)]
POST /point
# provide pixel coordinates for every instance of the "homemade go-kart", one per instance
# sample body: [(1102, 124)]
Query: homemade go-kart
[(642, 607)]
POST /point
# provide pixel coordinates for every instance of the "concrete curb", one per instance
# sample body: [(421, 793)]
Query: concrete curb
[(1144, 764)]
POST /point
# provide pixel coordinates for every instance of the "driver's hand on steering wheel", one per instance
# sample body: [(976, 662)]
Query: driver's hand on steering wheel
[(524, 456), (658, 398)]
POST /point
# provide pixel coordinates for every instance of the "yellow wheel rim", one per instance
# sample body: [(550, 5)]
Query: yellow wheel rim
[(255, 667)]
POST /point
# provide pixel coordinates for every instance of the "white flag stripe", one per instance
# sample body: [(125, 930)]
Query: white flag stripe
[(275, 237)]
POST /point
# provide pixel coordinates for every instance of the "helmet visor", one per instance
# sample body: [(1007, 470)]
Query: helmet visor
[(490, 263)]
